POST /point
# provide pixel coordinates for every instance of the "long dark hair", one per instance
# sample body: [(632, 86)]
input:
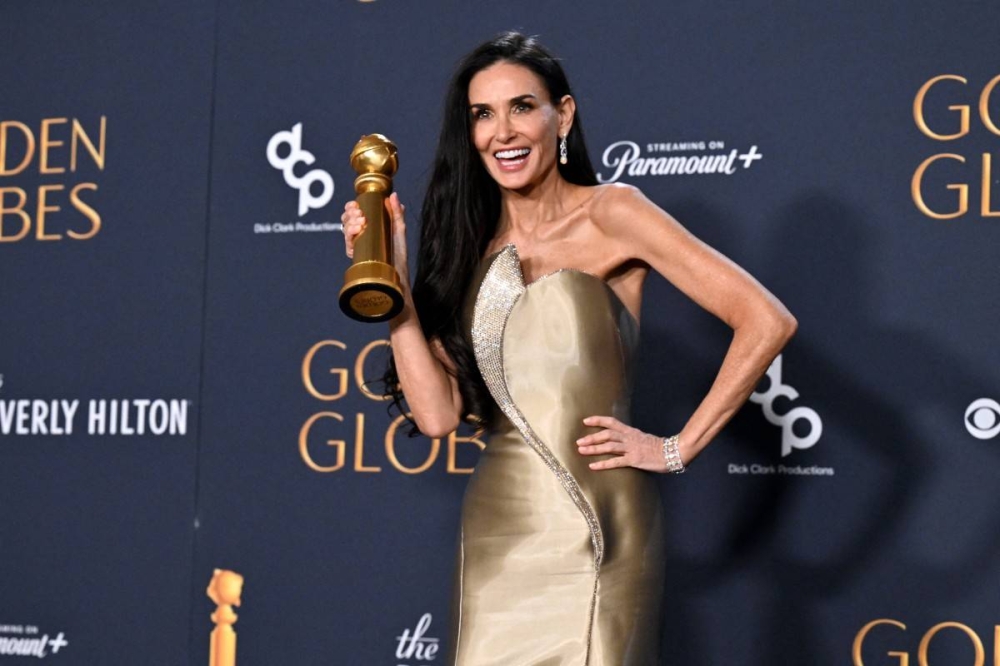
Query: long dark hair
[(461, 209)]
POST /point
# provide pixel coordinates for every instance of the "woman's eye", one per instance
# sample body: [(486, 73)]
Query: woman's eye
[(520, 108), (480, 114)]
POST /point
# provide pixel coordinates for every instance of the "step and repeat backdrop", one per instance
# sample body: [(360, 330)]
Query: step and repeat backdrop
[(179, 392)]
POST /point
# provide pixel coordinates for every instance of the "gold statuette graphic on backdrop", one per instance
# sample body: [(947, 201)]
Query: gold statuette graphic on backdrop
[(224, 589), (371, 289)]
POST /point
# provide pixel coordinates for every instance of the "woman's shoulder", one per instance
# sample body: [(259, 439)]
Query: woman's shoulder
[(614, 204)]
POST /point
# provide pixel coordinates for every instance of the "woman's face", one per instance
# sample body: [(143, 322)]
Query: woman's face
[(515, 126)]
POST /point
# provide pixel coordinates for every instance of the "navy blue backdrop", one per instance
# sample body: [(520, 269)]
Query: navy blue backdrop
[(179, 391)]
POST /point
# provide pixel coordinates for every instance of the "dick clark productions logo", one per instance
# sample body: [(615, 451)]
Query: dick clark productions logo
[(296, 155), (789, 439)]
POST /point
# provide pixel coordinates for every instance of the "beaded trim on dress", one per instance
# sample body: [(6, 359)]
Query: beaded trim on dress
[(500, 290)]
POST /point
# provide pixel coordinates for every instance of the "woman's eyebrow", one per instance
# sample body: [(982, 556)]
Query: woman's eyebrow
[(513, 100), (522, 98)]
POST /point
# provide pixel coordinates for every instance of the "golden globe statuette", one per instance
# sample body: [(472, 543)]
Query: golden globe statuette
[(224, 589), (372, 289)]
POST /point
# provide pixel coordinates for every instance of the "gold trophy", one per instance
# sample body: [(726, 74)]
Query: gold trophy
[(224, 589), (372, 289)]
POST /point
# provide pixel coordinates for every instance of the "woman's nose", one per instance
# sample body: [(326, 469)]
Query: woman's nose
[(504, 130)]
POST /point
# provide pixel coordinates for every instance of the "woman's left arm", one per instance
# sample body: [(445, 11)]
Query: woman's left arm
[(761, 325)]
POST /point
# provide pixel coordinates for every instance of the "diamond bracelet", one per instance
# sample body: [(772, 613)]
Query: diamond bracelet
[(672, 455)]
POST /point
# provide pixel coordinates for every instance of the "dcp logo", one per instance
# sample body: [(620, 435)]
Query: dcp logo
[(304, 184), (982, 418), (789, 440)]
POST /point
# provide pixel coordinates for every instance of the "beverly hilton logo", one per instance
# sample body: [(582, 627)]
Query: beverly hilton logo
[(29, 417), (677, 158)]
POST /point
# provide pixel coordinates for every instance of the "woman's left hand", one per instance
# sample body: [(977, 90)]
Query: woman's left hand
[(630, 446)]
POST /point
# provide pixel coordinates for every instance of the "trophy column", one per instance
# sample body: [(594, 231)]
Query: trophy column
[(224, 589), (372, 289)]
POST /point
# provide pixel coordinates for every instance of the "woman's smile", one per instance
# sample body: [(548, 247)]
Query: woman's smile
[(512, 159)]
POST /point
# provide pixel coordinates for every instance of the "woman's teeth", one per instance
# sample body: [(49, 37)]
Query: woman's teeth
[(512, 154)]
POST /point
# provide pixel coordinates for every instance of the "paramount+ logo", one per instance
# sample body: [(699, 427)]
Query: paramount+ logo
[(26, 640), (47, 172)]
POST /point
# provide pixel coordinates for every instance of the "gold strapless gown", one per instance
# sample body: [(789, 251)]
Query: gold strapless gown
[(558, 565)]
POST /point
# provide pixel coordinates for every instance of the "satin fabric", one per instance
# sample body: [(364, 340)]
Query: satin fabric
[(529, 589)]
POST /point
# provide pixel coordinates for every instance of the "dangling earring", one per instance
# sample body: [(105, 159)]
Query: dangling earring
[(563, 159)]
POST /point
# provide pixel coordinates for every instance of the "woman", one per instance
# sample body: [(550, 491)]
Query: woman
[(524, 318)]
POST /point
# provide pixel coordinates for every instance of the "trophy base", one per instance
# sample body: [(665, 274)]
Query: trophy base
[(371, 292)]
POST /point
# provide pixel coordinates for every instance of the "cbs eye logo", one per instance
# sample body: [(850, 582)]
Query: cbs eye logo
[(982, 418)]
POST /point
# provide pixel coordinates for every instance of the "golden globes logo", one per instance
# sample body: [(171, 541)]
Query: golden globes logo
[(933, 168), (327, 438), (902, 657), (59, 147)]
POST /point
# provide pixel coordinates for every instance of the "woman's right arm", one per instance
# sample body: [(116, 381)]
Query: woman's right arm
[(426, 372)]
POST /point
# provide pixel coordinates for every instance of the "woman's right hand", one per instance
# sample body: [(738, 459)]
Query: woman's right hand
[(354, 223), (426, 373)]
